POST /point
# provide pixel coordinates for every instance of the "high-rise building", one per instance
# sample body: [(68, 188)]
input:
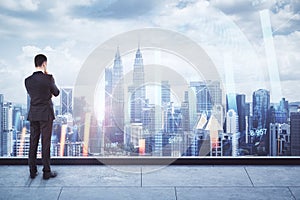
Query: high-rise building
[(241, 111), (192, 101), (158, 144), (23, 144), (294, 107), (172, 119), (237, 102), (295, 133), (185, 112), (28, 104), (232, 128), (1, 124), (17, 118), (108, 98), (118, 93), (260, 118), (7, 130), (165, 92), (280, 113), (66, 101), (279, 140), (137, 89), (261, 103), (114, 102), (248, 122), (284, 106), (208, 94), (149, 118)]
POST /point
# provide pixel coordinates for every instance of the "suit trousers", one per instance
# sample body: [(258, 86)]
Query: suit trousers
[(37, 128)]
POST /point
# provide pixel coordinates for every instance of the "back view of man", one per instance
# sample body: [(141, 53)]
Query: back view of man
[(40, 86)]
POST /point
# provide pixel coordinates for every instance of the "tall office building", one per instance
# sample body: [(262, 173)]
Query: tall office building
[(17, 118), (241, 105), (118, 98), (232, 128), (137, 89), (149, 118), (7, 130), (66, 101), (1, 124), (208, 94), (28, 104), (165, 92), (237, 102), (23, 144), (279, 113), (295, 133), (118, 91), (279, 140), (192, 101), (248, 121), (261, 104), (108, 98), (185, 112), (114, 102)]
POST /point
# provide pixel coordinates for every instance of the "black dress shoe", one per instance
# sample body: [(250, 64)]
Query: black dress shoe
[(48, 175), (33, 175)]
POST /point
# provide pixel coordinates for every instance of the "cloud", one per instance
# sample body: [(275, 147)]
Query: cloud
[(286, 19), (115, 9), (15, 5), (287, 50)]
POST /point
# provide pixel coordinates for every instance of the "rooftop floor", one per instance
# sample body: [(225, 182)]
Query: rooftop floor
[(153, 182)]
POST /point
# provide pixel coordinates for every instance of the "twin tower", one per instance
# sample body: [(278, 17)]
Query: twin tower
[(114, 97)]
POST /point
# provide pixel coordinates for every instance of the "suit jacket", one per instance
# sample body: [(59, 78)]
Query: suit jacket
[(40, 88)]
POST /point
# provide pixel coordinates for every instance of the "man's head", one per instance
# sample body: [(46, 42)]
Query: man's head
[(40, 60)]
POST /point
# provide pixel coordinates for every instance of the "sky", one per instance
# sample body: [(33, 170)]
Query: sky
[(229, 31)]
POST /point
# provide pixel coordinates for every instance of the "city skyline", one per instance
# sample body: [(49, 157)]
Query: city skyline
[(82, 29)]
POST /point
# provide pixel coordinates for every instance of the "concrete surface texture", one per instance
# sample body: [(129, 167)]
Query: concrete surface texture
[(153, 182)]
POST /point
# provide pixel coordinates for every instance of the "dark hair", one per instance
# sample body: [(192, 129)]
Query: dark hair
[(39, 60)]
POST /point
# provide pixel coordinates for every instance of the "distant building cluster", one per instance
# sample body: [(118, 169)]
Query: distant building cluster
[(15, 129), (200, 125)]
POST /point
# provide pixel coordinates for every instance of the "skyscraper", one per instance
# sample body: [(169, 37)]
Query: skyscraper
[(241, 111), (28, 104), (295, 133), (165, 93), (208, 94), (114, 102), (108, 98), (137, 90), (261, 103), (279, 139), (1, 124), (185, 112), (118, 98), (66, 101), (232, 128), (7, 130), (237, 102), (282, 112)]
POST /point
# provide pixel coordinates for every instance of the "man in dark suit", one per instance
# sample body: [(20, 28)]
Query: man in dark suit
[(40, 87)]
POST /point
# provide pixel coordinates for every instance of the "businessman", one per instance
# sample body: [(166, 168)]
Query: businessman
[(41, 87)]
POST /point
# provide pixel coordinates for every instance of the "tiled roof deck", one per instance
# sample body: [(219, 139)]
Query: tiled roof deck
[(153, 182)]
